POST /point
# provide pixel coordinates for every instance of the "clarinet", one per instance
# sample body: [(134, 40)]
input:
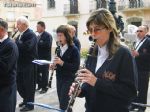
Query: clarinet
[(50, 79), (57, 52), (15, 33), (78, 83)]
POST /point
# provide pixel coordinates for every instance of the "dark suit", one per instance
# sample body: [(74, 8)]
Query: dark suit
[(148, 35), (111, 95), (77, 43), (44, 53), (143, 65), (8, 68), (65, 74), (27, 46)]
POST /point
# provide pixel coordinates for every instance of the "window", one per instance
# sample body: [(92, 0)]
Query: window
[(140, 3), (50, 4), (73, 6), (132, 3), (101, 4)]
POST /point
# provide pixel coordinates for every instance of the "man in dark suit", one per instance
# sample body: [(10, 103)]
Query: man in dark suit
[(44, 53), (72, 31), (147, 28), (142, 58), (26, 72), (8, 68)]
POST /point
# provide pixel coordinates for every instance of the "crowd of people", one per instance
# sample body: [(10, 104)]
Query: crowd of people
[(113, 77)]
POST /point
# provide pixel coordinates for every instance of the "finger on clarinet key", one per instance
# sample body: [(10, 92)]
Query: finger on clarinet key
[(82, 71), (82, 74), (71, 89), (56, 58), (50, 66), (80, 77)]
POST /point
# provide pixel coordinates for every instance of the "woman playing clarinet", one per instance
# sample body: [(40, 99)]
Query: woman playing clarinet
[(67, 63), (109, 80)]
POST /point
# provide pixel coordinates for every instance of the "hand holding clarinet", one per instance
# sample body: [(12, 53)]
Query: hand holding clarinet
[(56, 61), (82, 76)]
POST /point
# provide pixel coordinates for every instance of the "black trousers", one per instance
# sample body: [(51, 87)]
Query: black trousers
[(26, 82), (143, 81), (63, 86), (8, 98), (43, 76)]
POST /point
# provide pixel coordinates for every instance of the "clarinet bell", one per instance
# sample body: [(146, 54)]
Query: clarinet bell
[(49, 84), (69, 110)]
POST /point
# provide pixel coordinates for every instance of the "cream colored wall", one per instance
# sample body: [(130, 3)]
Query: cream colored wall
[(54, 17), (57, 11), (143, 13), (31, 12), (81, 29)]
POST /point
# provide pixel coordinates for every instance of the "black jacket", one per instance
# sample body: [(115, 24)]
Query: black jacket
[(71, 64), (111, 95), (44, 46), (8, 62), (143, 60), (77, 43), (27, 46)]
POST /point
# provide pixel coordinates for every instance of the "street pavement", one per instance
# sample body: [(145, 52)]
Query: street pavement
[(50, 98)]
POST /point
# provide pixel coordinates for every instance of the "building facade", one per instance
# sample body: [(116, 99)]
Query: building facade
[(74, 12), (136, 12), (11, 9)]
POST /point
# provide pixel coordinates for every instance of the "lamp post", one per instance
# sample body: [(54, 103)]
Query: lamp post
[(112, 7)]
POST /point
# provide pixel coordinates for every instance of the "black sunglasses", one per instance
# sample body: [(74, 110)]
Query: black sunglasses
[(139, 31)]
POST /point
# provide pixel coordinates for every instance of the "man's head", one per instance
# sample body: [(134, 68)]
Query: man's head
[(3, 28), (147, 28), (40, 26), (141, 32), (22, 23), (72, 30)]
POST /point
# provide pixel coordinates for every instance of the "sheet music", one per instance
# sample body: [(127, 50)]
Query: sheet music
[(42, 62)]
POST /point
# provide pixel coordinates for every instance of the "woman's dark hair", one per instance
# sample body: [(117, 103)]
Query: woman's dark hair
[(64, 29)]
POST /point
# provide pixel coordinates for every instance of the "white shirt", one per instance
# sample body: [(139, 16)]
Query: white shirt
[(63, 49), (21, 33), (5, 37), (139, 43), (40, 34), (102, 56)]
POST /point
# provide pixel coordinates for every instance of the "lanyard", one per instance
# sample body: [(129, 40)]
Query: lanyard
[(136, 47)]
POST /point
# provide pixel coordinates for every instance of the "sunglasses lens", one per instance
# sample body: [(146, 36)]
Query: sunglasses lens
[(139, 31)]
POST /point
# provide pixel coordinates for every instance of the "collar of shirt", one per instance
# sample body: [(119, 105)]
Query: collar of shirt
[(102, 51), (139, 43), (102, 56), (4, 38), (21, 33), (63, 49), (40, 33)]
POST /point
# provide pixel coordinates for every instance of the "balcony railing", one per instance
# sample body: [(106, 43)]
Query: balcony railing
[(68, 11), (142, 5)]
